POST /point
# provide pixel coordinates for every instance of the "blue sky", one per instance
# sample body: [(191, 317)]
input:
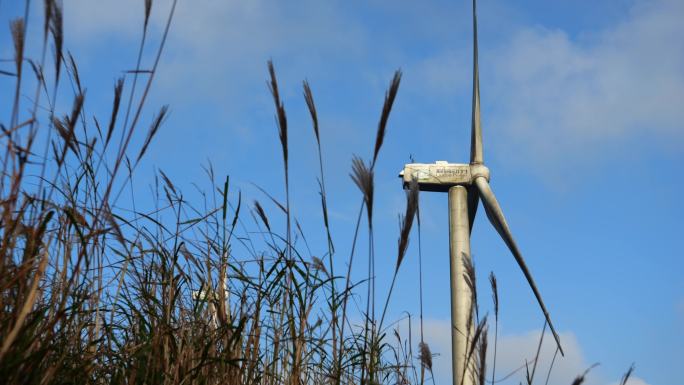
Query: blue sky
[(582, 114)]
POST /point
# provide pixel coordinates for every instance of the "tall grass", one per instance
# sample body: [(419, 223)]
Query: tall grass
[(202, 292)]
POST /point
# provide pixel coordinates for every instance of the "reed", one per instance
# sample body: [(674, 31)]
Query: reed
[(204, 292)]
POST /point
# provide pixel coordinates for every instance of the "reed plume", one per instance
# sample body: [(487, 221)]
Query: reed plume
[(363, 178), (384, 116), (495, 299), (582, 377), (179, 293), (407, 221), (281, 117), (627, 374), (262, 214)]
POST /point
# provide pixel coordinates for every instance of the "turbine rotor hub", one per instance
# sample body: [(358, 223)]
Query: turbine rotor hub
[(479, 170)]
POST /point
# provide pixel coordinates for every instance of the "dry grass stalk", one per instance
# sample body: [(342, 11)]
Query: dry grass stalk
[(318, 265), (495, 292), (405, 230), (90, 291), (474, 342), (308, 97), (481, 361), (56, 22), (495, 298), (390, 95), (530, 376), (118, 89), (407, 221), (148, 11), (363, 178), (154, 127), (18, 29), (581, 378), (389, 100), (47, 16), (281, 117), (470, 279), (425, 356), (627, 374), (334, 304)]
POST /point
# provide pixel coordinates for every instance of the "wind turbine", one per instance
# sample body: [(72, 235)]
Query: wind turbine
[(466, 184)]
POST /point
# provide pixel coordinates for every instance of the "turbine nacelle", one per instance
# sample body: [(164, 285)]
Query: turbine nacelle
[(442, 175)]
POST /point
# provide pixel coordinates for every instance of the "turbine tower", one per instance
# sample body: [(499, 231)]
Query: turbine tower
[(466, 184)]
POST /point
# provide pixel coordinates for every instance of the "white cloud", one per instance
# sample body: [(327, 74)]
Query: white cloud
[(438, 73), (213, 71), (512, 351), (551, 97), (89, 22), (632, 381), (565, 98), (213, 41)]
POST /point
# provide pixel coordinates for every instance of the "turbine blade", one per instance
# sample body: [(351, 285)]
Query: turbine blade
[(473, 201), (476, 155), (495, 215)]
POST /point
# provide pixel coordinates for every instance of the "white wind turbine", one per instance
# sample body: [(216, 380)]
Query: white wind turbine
[(466, 184)]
